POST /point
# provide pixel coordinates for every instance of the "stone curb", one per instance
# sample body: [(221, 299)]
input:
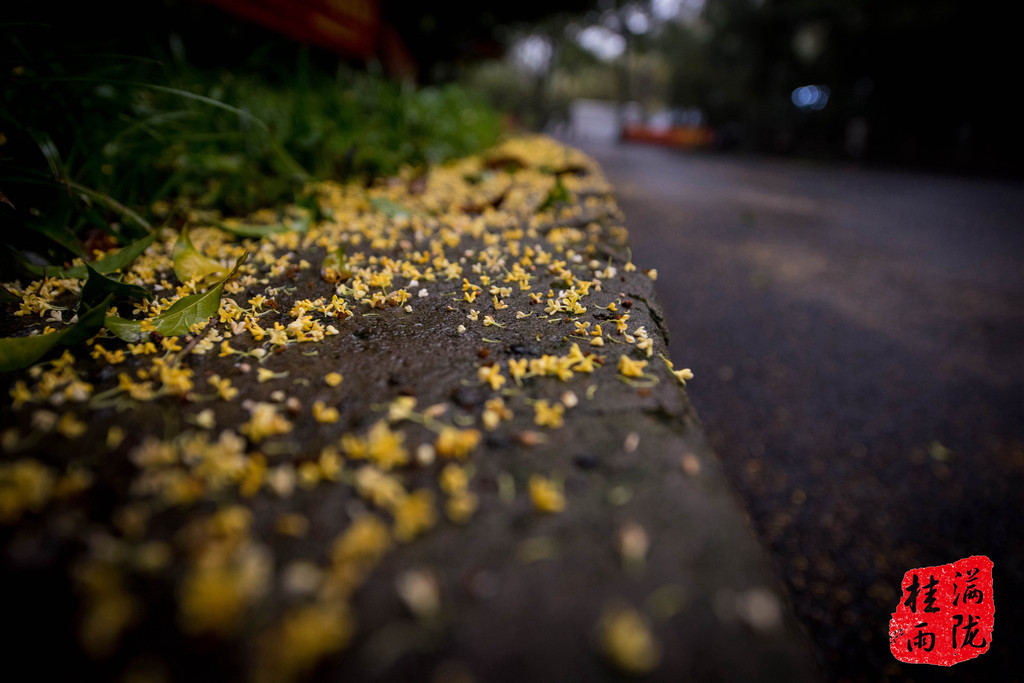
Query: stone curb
[(579, 529)]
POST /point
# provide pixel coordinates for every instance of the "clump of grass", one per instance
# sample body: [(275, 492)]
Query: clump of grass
[(94, 134)]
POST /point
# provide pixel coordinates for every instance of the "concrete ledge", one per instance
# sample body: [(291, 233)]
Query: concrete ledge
[(403, 523)]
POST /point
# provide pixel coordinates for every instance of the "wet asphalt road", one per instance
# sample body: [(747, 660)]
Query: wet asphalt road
[(858, 343)]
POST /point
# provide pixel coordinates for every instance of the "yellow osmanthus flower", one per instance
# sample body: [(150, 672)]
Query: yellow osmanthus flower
[(456, 443), (414, 515), (142, 391), (543, 365), (495, 411), (333, 379), (563, 368), (254, 476), (170, 344), (107, 609), (266, 374), (545, 495), (226, 350), (681, 375), (462, 503), (548, 415), (585, 364), (330, 463), (25, 485), (380, 445), (111, 357), (292, 523), (461, 507), (453, 479), (115, 435), (142, 348), (223, 387), (354, 555), (178, 380), (381, 489), (265, 421), (20, 394), (491, 374), (627, 641), (517, 368), (646, 344), (363, 543), (401, 408), (216, 593), (631, 368), (304, 636), (70, 426), (325, 414), (278, 335), (257, 332)]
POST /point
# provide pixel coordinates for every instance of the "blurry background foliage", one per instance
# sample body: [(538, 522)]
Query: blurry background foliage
[(98, 123)]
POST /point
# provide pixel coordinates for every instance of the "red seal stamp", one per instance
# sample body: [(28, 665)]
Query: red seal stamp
[(946, 614)]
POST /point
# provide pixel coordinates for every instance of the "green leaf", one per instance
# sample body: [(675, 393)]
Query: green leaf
[(98, 286), (389, 208), (115, 260), (122, 258), (111, 203), (20, 352), (89, 323), (122, 328), (182, 315), (189, 262), (52, 156), (335, 266), (559, 193)]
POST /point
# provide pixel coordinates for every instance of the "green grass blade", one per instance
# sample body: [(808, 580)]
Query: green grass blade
[(112, 204), (114, 261)]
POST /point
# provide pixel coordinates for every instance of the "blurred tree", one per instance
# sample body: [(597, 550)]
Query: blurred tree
[(441, 35), (925, 81)]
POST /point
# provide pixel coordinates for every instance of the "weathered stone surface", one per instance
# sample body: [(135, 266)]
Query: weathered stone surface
[(205, 537)]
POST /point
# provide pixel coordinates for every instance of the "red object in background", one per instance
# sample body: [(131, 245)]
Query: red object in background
[(675, 136), (946, 614), (350, 27)]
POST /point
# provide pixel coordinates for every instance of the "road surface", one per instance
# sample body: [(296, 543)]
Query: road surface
[(857, 342)]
